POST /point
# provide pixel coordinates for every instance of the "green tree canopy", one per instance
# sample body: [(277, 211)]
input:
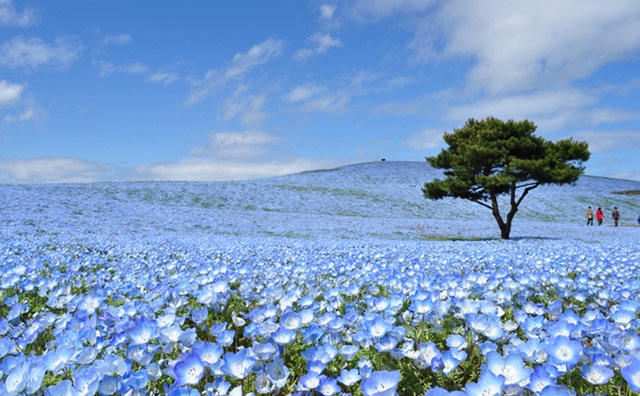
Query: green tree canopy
[(490, 157)]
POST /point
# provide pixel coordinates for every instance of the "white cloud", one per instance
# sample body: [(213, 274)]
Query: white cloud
[(322, 42), (242, 63), (259, 54), (334, 102), (234, 145), (204, 169), (312, 98), (31, 113), (385, 8), (425, 139), (119, 39), (52, 170), (163, 78), (326, 11), (9, 16), (550, 109), (607, 141), (527, 45), (34, 52), (108, 68), (304, 92), (9, 93), (248, 107)]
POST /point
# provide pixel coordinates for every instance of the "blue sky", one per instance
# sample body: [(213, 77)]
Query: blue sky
[(153, 90)]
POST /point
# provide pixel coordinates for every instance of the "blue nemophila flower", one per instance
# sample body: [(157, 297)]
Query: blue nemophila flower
[(376, 327), (456, 341), (264, 351), (488, 385), (85, 355), (225, 338), (488, 325), (380, 383), (554, 390), (437, 364), (366, 367), (291, 320), (63, 388), (183, 391), (562, 350), (238, 365), (540, 379), (283, 336), (309, 381), (623, 317), (56, 360), (531, 350), (111, 365), (596, 374), (108, 385), (631, 374), (188, 370), (316, 365), (349, 377), (37, 371), (209, 353), (139, 354), (278, 373), (263, 384), (199, 315), (17, 379), (348, 352), (307, 315), (86, 382), (218, 387), (386, 344), (560, 328), (428, 351), (627, 340), (511, 367), (449, 361), (328, 386), (153, 371), (5, 346), (533, 325), (437, 391)]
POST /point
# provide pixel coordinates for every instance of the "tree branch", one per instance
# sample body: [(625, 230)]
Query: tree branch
[(480, 203), (526, 191), (536, 184)]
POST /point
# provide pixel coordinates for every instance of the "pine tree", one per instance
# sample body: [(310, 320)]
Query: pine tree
[(490, 157)]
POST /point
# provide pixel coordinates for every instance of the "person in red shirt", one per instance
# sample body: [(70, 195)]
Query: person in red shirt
[(599, 216)]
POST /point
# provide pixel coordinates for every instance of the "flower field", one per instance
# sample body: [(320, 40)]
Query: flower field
[(338, 282)]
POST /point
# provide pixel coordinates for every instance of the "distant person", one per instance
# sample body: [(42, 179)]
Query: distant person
[(589, 216), (615, 215), (599, 216), (638, 220)]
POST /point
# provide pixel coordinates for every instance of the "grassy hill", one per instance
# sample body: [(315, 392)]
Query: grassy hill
[(377, 200)]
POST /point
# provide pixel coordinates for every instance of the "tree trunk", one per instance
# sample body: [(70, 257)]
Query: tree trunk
[(505, 229)]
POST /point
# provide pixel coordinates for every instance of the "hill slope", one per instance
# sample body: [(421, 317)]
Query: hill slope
[(379, 200)]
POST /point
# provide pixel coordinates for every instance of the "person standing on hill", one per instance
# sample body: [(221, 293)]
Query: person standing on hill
[(615, 215), (589, 216), (599, 216)]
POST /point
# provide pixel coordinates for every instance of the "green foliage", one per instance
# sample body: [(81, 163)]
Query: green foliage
[(489, 158)]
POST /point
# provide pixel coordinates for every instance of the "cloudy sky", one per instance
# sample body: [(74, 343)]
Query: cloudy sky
[(154, 90)]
